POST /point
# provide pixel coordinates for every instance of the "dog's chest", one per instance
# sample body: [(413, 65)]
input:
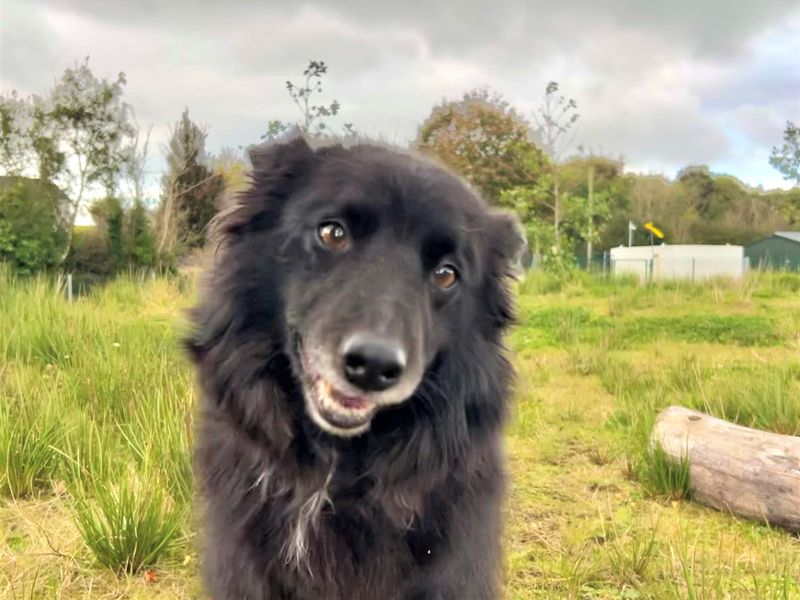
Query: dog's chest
[(341, 516)]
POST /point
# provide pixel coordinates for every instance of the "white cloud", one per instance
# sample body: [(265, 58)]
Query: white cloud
[(663, 84)]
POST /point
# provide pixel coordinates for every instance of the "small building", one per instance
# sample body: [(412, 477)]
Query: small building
[(684, 261), (781, 250)]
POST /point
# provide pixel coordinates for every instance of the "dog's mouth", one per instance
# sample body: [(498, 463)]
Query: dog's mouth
[(334, 410), (337, 412)]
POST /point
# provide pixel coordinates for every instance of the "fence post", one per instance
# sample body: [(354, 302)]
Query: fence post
[(693, 268), (69, 287)]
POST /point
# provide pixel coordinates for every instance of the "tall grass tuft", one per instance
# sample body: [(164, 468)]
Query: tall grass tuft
[(766, 398), (697, 568), (632, 552), (660, 474), (28, 459), (128, 524)]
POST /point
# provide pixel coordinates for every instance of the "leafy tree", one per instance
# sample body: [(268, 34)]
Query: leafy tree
[(700, 207), (92, 123), (593, 188), (790, 205), (33, 230), (190, 190), (108, 216), (15, 141), (527, 202), (312, 115), (697, 184), (114, 233), (787, 158), (483, 139), (120, 239), (138, 239), (233, 167), (46, 140), (140, 243), (29, 141)]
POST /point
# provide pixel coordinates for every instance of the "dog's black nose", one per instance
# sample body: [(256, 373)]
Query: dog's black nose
[(372, 363)]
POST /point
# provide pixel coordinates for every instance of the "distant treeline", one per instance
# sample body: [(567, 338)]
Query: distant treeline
[(81, 141)]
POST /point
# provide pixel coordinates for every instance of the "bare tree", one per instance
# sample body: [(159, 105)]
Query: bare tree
[(554, 118), (134, 167)]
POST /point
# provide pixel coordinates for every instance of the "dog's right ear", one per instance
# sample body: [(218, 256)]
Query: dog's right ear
[(279, 169), (281, 154)]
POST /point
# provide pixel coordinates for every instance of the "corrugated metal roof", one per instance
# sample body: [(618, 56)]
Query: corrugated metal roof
[(789, 235)]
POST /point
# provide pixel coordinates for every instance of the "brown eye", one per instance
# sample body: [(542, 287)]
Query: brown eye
[(333, 236), (445, 277)]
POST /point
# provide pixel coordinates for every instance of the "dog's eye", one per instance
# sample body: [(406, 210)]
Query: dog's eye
[(333, 236), (445, 276)]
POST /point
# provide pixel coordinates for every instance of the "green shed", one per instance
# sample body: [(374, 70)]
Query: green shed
[(781, 250)]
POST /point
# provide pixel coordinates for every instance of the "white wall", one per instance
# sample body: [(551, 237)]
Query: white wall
[(696, 262)]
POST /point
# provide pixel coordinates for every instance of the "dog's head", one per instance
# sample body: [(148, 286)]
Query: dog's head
[(368, 266)]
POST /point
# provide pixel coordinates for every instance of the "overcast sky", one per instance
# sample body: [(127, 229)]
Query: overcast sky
[(664, 84)]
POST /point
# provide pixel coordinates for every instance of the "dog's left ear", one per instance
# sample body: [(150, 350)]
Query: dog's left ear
[(508, 240)]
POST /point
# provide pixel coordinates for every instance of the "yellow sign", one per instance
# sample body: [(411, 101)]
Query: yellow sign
[(654, 230)]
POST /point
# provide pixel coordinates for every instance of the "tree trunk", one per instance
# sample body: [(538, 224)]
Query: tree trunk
[(556, 211), (590, 232), (748, 472), (76, 207), (165, 222), (70, 230)]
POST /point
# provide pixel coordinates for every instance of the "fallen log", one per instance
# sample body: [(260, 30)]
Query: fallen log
[(751, 473)]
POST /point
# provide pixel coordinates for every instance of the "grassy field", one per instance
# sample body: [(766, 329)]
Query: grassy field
[(95, 432)]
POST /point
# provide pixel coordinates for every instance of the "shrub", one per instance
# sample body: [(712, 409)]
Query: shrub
[(33, 233), (89, 252), (119, 240)]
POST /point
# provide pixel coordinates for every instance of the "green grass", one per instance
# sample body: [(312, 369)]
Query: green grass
[(557, 325), (128, 523), (96, 404), (28, 459)]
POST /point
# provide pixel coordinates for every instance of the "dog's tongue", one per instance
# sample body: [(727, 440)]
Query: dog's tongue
[(354, 402), (350, 401)]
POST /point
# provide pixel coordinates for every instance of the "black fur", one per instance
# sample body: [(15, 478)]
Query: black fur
[(410, 509)]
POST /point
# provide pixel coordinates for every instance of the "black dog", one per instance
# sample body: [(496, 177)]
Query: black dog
[(348, 343)]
